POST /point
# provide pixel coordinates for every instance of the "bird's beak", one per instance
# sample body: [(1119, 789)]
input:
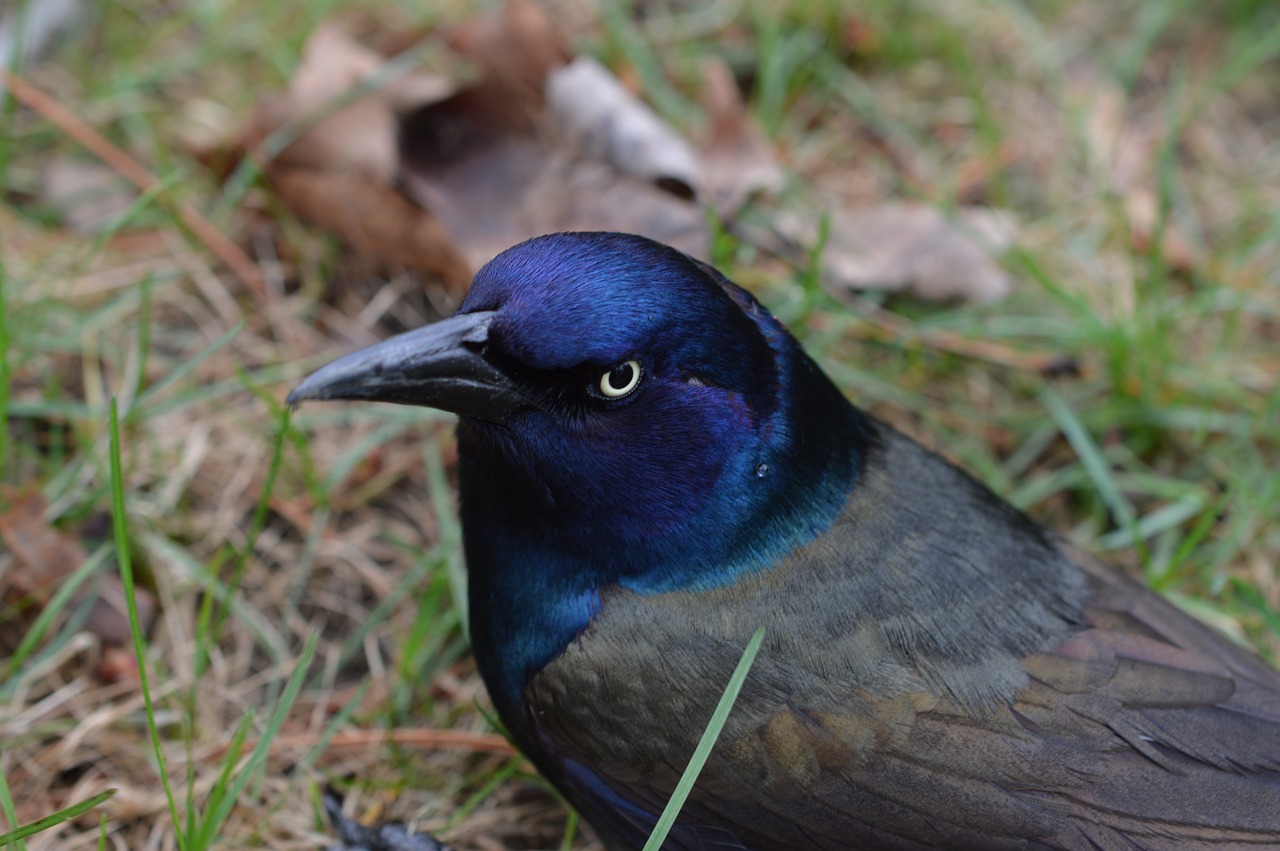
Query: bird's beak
[(438, 366)]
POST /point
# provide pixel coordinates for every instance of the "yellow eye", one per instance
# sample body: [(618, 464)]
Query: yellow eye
[(620, 380)]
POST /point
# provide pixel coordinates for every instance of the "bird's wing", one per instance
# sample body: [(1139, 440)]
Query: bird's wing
[(1186, 724), (1144, 730)]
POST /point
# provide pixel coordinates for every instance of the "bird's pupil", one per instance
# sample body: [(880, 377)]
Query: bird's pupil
[(620, 376)]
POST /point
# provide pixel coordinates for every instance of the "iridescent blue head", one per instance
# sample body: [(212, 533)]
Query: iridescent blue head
[(653, 396), (629, 418)]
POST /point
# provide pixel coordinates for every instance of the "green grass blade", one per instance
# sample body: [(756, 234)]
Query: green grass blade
[(10, 812), (1094, 464), (8, 106), (139, 379), (570, 830), (203, 835), (491, 784), (1168, 516), (336, 723), (54, 819), (258, 757), (259, 521), (438, 491), (189, 366), (700, 754), (131, 600), (50, 611)]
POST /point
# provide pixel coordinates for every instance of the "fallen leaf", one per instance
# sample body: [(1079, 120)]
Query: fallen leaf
[(499, 164), (911, 248), (359, 135), (536, 141), (377, 220), (518, 46), (737, 161), (44, 557), (511, 189), (437, 175), (607, 122), (341, 171)]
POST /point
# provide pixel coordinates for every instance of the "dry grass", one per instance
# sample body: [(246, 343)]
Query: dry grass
[(1100, 138)]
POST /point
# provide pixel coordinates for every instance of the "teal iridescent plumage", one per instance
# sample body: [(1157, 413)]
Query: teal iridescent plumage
[(651, 468)]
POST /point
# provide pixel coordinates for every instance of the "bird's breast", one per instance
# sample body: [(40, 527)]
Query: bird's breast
[(637, 688)]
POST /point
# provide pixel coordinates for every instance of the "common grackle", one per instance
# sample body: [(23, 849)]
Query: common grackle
[(651, 468)]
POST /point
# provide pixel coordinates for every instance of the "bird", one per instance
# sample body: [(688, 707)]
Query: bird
[(651, 469)]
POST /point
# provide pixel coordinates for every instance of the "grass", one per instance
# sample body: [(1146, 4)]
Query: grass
[(708, 741), (306, 571)]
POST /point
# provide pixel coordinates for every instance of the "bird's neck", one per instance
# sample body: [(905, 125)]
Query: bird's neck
[(542, 559)]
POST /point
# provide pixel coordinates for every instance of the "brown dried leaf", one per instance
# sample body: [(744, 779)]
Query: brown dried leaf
[(737, 161), (340, 173), (531, 146), (359, 136), (497, 168), (344, 170), (594, 197), (606, 121), (912, 248), (518, 189), (375, 219), (45, 556), (517, 47)]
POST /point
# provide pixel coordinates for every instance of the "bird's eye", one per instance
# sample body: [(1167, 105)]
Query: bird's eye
[(620, 380)]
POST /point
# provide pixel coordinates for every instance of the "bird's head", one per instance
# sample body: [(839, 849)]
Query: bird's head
[(612, 391)]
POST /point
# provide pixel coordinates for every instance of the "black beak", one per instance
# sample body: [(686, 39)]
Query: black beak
[(438, 366)]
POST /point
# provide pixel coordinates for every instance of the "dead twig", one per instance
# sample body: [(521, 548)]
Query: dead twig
[(883, 326), (420, 738), (223, 248)]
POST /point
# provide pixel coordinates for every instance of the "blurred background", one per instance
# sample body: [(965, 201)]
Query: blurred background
[(1040, 237)]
